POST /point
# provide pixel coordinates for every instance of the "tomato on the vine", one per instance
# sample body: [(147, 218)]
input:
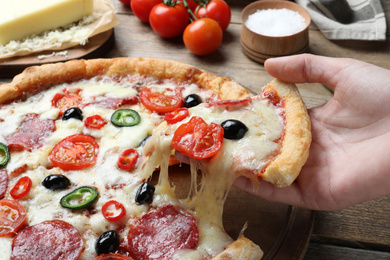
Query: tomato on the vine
[(169, 21), (192, 5), (203, 36), (142, 8), (217, 10), (125, 2)]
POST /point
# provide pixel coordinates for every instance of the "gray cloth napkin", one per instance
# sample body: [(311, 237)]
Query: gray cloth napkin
[(348, 19)]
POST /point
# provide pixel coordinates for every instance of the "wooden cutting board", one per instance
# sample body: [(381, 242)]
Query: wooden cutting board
[(96, 47)]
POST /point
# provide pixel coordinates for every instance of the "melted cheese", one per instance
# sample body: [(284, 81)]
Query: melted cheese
[(207, 195), (21, 18), (43, 204)]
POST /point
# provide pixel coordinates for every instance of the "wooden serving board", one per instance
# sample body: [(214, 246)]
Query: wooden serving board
[(281, 231), (96, 47)]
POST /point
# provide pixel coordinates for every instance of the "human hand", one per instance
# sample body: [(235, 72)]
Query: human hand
[(349, 156)]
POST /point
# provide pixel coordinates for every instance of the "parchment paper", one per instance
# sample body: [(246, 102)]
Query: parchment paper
[(102, 19)]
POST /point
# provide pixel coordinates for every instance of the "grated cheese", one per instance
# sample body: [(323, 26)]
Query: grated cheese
[(74, 31)]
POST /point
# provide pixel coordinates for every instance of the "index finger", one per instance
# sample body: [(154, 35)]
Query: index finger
[(306, 68)]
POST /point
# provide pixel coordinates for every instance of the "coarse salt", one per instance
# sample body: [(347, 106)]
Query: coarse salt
[(276, 22)]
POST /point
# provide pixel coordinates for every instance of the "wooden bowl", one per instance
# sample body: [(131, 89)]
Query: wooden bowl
[(261, 47)]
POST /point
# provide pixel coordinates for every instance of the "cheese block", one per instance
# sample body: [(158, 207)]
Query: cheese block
[(21, 18)]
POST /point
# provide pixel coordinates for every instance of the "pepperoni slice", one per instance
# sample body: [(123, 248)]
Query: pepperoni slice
[(162, 231), (3, 182), (54, 239), (115, 103), (31, 134)]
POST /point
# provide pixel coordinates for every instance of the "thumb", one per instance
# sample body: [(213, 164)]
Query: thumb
[(306, 68)]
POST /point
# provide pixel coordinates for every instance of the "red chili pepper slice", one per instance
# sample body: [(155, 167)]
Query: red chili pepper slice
[(95, 122), (21, 188), (113, 210), (128, 159), (177, 115)]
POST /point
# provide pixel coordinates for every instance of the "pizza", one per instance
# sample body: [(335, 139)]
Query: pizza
[(86, 149)]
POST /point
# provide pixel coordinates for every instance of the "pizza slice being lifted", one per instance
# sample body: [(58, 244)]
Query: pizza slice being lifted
[(84, 139)]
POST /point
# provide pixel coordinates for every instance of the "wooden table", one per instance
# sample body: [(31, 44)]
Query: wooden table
[(362, 231)]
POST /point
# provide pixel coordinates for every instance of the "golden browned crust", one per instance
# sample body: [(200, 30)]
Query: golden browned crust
[(243, 249), (37, 78), (296, 142), (40, 77)]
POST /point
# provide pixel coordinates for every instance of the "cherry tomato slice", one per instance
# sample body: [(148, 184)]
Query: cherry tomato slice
[(75, 152), (177, 115), (95, 122), (67, 99), (113, 210), (12, 217), (112, 256), (21, 188), (197, 139), (161, 102), (128, 159)]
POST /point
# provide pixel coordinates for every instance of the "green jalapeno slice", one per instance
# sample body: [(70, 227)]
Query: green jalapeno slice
[(4, 155), (80, 198), (125, 117)]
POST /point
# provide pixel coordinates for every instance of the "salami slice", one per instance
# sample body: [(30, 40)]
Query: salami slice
[(115, 103), (54, 239), (159, 233), (3, 182), (31, 134)]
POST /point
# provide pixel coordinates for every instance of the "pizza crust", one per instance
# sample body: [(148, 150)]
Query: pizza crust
[(296, 142), (243, 249), (37, 78)]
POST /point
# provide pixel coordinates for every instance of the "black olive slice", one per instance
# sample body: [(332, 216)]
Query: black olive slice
[(144, 193), (192, 100), (56, 182), (73, 112), (107, 242), (234, 129)]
